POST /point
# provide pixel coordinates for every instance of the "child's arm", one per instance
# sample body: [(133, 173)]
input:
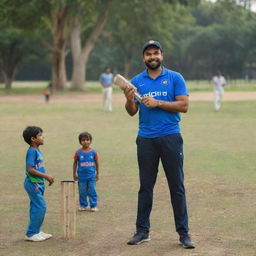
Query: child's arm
[(74, 170), (97, 169), (34, 172)]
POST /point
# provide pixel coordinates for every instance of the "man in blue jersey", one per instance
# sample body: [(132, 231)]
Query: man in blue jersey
[(164, 96), (106, 79)]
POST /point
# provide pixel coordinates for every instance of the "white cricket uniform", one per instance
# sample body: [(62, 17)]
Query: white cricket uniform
[(106, 81), (218, 83), (107, 98)]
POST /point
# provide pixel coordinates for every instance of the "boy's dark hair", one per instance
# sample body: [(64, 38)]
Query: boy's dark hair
[(84, 135), (31, 131)]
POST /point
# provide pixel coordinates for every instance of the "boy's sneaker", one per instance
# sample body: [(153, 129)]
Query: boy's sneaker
[(45, 235), (35, 238), (138, 238), (83, 209), (94, 209), (186, 242)]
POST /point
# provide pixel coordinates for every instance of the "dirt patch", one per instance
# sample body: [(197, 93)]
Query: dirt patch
[(95, 98)]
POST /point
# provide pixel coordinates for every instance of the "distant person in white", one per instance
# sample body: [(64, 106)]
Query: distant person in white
[(106, 79), (218, 82)]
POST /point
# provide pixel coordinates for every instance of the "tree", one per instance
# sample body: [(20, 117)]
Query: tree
[(59, 18), (84, 34), (135, 23), (16, 36), (13, 47), (31, 16)]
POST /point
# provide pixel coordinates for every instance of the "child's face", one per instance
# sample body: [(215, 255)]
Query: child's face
[(85, 142), (39, 139)]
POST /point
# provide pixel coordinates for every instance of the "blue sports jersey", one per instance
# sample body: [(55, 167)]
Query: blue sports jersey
[(35, 158), (106, 79), (156, 122), (86, 168)]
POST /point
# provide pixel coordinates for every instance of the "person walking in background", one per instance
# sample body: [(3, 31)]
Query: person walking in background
[(34, 183), (47, 93), (86, 171), (218, 82), (164, 94), (106, 80)]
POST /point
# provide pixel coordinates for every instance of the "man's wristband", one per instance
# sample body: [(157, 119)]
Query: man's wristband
[(159, 103)]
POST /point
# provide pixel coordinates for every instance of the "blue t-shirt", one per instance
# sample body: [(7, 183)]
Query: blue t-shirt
[(106, 79), (86, 168), (156, 122), (35, 158)]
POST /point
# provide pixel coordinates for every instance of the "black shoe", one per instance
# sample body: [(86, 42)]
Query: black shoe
[(186, 242), (138, 238)]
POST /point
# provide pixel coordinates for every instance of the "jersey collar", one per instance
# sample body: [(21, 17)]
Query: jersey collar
[(163, 73)]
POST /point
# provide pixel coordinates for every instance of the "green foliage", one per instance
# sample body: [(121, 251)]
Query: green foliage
[(218, 40), (24, 14), (197, 38)]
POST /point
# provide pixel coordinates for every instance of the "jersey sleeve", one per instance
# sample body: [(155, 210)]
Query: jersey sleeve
[(96, 156), (180, 85), (31, 158), (76, 156)]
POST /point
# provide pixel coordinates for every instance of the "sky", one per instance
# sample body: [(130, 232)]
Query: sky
[(253, 4)]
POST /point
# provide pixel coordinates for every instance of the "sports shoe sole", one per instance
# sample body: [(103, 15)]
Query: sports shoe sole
[(142, 241), (187, 247), (34, 241)]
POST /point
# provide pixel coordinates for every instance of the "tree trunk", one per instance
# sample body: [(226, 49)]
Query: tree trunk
[(8, 76), (59, 31), (59, 77), (78, 74), (81, 55)]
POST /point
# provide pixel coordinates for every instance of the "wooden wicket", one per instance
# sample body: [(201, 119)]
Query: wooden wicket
[(68, 208)]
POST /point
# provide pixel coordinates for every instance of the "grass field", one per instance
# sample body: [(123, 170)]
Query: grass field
[(220, 174), (94, 86)]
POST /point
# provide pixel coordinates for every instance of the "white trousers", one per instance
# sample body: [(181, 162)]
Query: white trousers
[(107, 98), (218, 94)]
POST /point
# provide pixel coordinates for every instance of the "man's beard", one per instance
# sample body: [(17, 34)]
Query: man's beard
[(153, 66)]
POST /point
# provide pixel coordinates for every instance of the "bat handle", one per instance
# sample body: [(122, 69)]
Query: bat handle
[(138, 96)]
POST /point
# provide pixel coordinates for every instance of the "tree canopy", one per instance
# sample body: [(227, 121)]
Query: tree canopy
[(198, 37)]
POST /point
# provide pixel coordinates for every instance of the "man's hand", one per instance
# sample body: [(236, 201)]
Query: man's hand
[(129, 93), (97, 177), (150, 102)]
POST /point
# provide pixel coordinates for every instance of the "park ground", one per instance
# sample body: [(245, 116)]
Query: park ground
[(96, 98), (219, 170)]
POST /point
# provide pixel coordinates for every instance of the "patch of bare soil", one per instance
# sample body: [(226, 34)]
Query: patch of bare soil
[(95, 98)]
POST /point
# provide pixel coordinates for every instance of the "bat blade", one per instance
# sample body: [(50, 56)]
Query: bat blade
[(122, 83)]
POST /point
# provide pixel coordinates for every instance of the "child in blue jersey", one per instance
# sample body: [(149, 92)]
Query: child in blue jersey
[(86, 171), (34, 184)]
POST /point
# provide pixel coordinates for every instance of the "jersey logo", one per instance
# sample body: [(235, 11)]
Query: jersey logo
[(85, 164), (154, 94), (164, 82)]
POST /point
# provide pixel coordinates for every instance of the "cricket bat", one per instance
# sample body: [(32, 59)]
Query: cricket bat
[(122, 82)]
